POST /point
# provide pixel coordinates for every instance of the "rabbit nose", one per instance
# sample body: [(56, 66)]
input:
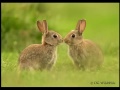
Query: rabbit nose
[(65, 40)]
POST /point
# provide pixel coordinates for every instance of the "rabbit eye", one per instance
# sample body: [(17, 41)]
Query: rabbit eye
[(73, 35), (55, 36)]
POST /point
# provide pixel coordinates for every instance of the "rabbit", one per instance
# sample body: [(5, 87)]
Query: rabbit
[(85, 54), (41, 56)]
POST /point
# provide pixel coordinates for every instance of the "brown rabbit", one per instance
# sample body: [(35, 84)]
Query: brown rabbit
[(85, 53), (41, 56)]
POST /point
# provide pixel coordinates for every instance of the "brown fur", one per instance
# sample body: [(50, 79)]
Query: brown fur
[(41, 56), (85, 53)]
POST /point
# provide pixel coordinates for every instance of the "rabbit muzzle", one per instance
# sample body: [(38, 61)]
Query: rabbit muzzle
[(66, 41), (60, 41)]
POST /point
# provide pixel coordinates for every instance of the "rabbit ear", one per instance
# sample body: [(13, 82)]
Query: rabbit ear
[(45, 26), (40, 26), (77, 26), (82, 25)]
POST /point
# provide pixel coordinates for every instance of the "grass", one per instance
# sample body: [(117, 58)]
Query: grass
[(63, 74), (17, 33)]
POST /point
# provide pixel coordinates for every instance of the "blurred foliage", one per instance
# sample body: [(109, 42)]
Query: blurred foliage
[(19, 27)]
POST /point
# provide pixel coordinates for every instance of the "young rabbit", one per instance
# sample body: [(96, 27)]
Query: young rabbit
[(41, 56), (85, 53)]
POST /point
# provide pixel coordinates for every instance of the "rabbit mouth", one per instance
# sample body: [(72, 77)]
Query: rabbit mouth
[(70, 43), (61, 41), (67, 42)]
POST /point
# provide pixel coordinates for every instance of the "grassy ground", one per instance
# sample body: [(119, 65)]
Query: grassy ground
[(63, 73), (102, 28)]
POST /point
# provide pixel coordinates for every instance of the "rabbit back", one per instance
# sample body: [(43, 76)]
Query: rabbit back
[(37, 56), (86, 54)]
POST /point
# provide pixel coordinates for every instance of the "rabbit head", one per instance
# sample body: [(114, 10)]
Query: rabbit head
[(75, 36), (49, 37)]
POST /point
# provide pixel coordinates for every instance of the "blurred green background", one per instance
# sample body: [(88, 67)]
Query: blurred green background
[(19, 29)]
